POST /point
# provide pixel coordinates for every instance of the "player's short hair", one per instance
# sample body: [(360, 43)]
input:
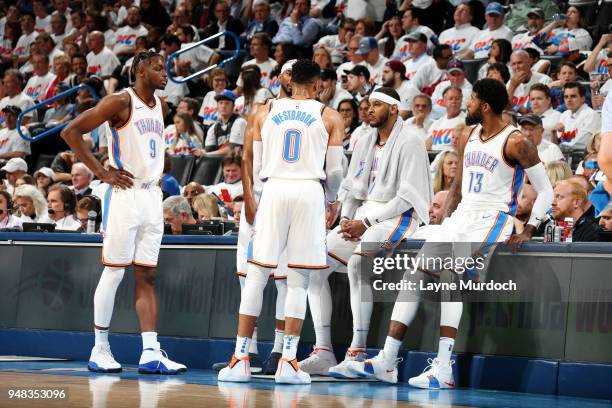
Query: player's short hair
[(177, 205), (542, 88), (142, 57), (305, 72), (493, 93), (575, 84), (452, 87)]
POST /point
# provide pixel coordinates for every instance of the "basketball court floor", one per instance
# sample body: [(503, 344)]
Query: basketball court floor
[(199, 388)]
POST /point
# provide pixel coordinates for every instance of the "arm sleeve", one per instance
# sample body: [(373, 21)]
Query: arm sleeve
[(540, 182), (333, 171), (392, 209), (349, 206)]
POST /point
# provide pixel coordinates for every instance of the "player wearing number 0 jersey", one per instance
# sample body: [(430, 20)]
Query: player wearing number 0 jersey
[(494, 159), (298, 146), (132, 215)]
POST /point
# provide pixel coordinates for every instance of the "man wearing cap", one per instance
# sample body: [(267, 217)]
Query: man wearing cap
[(432, 73), (380, 207), (463, 33), (45, 177), (299, 28), (227, 132), (521, 80), (354, 57), (456, 77), (531, 126), (331, 93), (481, 44), (368, 47), (439, 135), (13, 85), (358, 82), (394, 76), (517, 18), (411, 22), (14, 168), (417, 45), (535, 23), (101, 61), (11, 144)]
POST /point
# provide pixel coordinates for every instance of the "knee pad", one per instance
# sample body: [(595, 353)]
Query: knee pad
[(252, 293), (297, 283), (281, 298)]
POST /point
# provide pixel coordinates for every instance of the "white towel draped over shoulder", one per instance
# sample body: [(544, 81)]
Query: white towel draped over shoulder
[(403, 179)]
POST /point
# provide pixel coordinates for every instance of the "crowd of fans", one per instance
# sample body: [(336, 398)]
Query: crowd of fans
[(554, 65)]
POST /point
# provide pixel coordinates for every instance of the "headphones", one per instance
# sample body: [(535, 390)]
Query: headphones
[(68, 198), (9, 201), (97, 206)]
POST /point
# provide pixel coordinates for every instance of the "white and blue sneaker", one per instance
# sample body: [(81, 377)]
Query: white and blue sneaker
[(156, 361), (341, 370), (435, 376), (102, 360), (377, 367)]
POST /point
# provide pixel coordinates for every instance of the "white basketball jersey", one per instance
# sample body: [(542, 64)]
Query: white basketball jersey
[(294, 141), (489, 181), (138, 146)]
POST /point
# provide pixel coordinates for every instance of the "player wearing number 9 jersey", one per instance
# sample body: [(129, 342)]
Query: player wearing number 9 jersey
[(297, 143), (132, 215)]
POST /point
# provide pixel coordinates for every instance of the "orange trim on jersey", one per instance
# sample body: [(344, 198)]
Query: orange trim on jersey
[(280, 277), (127, 121), (493, 227), (491, 137), (241, 274), (111, 264), (145, 265), (140, 99), (404, 234), (337, 258), (307, 266), (262, 264)]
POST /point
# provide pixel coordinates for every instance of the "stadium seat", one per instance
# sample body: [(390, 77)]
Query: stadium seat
[(207, 170), (181, 168), (471, 68)]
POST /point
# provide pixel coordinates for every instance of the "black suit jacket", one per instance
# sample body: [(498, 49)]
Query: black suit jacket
[(233, 25)]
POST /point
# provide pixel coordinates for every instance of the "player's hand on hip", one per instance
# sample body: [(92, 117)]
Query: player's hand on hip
[(122, 179)]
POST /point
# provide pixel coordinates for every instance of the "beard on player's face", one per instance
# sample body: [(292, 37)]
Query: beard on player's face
[(377, 122), (286, 89), (474, 118)]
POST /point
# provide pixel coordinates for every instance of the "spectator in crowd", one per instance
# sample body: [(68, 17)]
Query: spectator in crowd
[(11, 144), (14, 168), (579, 122), (560, 30), (22, 49), (421, 120), (557, 171), (205, 206), (498, 72), (199, 57), (180, 17), (31, 204), (358, 82), (331, 93), (433, 72), (232, 178), (38, 86), (223, 21), (124, 43), (479, 48), (259, 49), (538, 64), (567, 73), (7, 219), (436, 214), (253, 91), (583, 180), (522, 80), (365, 27), (237, 205), (500, 52), (456, 77), (353, 56), (539, 98), (62, 165), (322, 56), (45, 177), (61, 68), (217, 80), (101, 61), (532, 128), (338, 43), (186, 140), (58, 28), (411, 23), (591, 148), (84, 206), (78, 64), (589, 166), (569, 202), (154, 14), (299, 28), (61, 203), (8, 40), (78, 33), (446, 171), (523, 210), (519, 13), (25, 179), (13, 84), (261, 21), (46, 45), (535, 23), (374, 62), (439, 133), (284, 53), (61, 8), (60, 111), (177, 212), (170, 186), (598, 60), (364, 128), (228, 130), (349, 112), (394, 76), (81, 178), (462, 35), (191, 190), (605, 218), (389, 35), (417, 46)]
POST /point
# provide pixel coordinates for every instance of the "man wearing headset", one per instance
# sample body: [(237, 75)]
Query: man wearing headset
[(7, 220), (61, 203)]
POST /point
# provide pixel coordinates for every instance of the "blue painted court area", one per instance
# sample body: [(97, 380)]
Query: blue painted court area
[(366, 390)]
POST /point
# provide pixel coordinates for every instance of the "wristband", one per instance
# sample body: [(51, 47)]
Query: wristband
[(366, 222)]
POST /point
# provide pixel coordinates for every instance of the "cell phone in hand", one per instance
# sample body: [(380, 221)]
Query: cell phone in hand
[(225, 195)]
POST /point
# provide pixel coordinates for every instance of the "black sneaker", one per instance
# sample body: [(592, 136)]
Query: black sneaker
[(272, 363), (255, 362)]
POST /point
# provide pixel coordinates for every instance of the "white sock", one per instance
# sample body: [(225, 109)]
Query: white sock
[(253, 345), (149, 340), (242, 347), (360, 337), (323, 335), (445, 349), (391, 349), (101, 337), (290, 345), (278, 341)]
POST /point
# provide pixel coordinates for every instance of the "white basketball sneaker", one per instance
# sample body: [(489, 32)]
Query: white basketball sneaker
[(377, 367), (341, 370), (436, 375), (102, 360), (238, 370), (288, 372), (320, 360), (156, 361)]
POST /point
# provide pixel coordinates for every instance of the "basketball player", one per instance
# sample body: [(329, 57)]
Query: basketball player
[(494, 156), (251, 185), (380, 206), (132, 214), (297, 144)]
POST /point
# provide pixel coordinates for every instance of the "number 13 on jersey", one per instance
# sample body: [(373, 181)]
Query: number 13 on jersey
[(291, 145), (475, 182)]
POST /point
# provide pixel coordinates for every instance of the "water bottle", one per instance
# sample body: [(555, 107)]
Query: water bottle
[(569, 229), (91, 222)]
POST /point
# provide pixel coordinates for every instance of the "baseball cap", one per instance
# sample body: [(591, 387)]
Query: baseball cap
[(495, 8), (397, 66), (327, 74), (367, 44), (288, 65), (531, 118), (45, 171), (455, 65), (359, 70), (416, 36), (15, 164), (226, 95), (15, 110), (537, 11)]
